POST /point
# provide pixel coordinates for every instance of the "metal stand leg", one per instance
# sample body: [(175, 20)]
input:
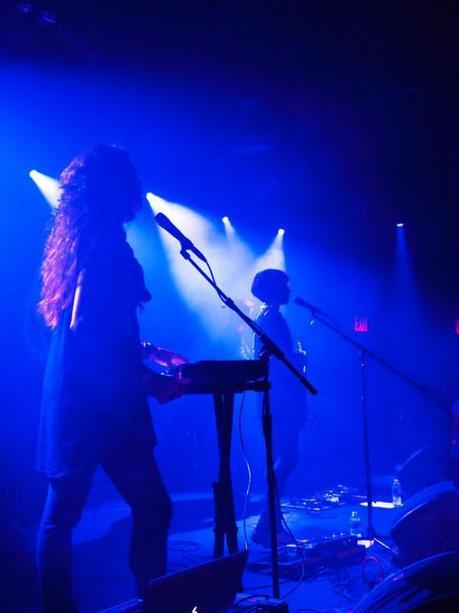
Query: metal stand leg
[(366, 446), (267, 431), (225, 520)]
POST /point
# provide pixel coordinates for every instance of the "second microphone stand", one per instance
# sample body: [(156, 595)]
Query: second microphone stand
[(364, 354)]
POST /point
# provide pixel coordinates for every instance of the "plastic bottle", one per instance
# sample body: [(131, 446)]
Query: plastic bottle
[(396, 493), (354, 524)]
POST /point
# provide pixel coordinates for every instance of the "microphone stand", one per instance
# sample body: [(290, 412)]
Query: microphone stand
[(364, 354), (272, 349)]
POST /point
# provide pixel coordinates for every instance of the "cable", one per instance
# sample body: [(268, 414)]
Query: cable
[(272, 477), (298, 546), (217, 289), (249, 596), (372, 581)]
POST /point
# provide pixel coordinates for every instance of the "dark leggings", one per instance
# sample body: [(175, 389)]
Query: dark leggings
[(136, 476)]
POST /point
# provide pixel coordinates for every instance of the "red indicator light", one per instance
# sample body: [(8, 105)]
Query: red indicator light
[(361, 323)]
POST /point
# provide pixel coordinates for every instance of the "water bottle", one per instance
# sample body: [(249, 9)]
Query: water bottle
[(396, 493), (354, 524)]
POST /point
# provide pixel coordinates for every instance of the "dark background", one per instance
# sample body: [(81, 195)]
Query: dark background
[(332, 119)]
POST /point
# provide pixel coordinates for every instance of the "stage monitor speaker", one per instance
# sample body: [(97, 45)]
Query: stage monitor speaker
[(207, 588), (131, 606), (428, 585), (425, 467), (428, 523)]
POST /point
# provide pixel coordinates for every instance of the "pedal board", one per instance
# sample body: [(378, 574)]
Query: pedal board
[(309, 558)]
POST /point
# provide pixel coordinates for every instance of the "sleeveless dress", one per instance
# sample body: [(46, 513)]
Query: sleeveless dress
[(93, 399)]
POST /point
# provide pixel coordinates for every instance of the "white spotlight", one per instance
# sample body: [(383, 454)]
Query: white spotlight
[(229, 229), (48, 186), (274, 256), (156, 203)]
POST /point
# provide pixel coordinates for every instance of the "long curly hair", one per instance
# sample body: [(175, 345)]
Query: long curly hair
[(99, 191)]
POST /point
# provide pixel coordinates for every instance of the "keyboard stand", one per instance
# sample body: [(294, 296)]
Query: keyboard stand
[(225, 519)]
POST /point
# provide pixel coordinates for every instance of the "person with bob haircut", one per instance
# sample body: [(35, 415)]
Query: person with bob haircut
[(287, 398)]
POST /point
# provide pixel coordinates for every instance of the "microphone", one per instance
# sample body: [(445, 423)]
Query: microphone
[(184, 241), (307, 305)]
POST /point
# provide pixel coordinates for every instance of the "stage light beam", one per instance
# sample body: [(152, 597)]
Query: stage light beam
[(229, 228), (229, 260), (274, 256), (48, 186)]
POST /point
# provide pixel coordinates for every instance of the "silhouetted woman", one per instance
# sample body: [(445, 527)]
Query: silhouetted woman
[(94, 408), (287, 398)]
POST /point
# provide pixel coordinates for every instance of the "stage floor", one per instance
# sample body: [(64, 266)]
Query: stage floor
[(101, 571)]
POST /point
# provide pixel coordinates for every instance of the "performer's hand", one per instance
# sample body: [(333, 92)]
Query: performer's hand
[(164, 387), (162, 356)]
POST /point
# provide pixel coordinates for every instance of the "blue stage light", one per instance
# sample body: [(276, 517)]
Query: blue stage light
[(400, 225)]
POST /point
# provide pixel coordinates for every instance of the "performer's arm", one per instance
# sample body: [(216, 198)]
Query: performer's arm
[(77, 302), (162, 356)]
